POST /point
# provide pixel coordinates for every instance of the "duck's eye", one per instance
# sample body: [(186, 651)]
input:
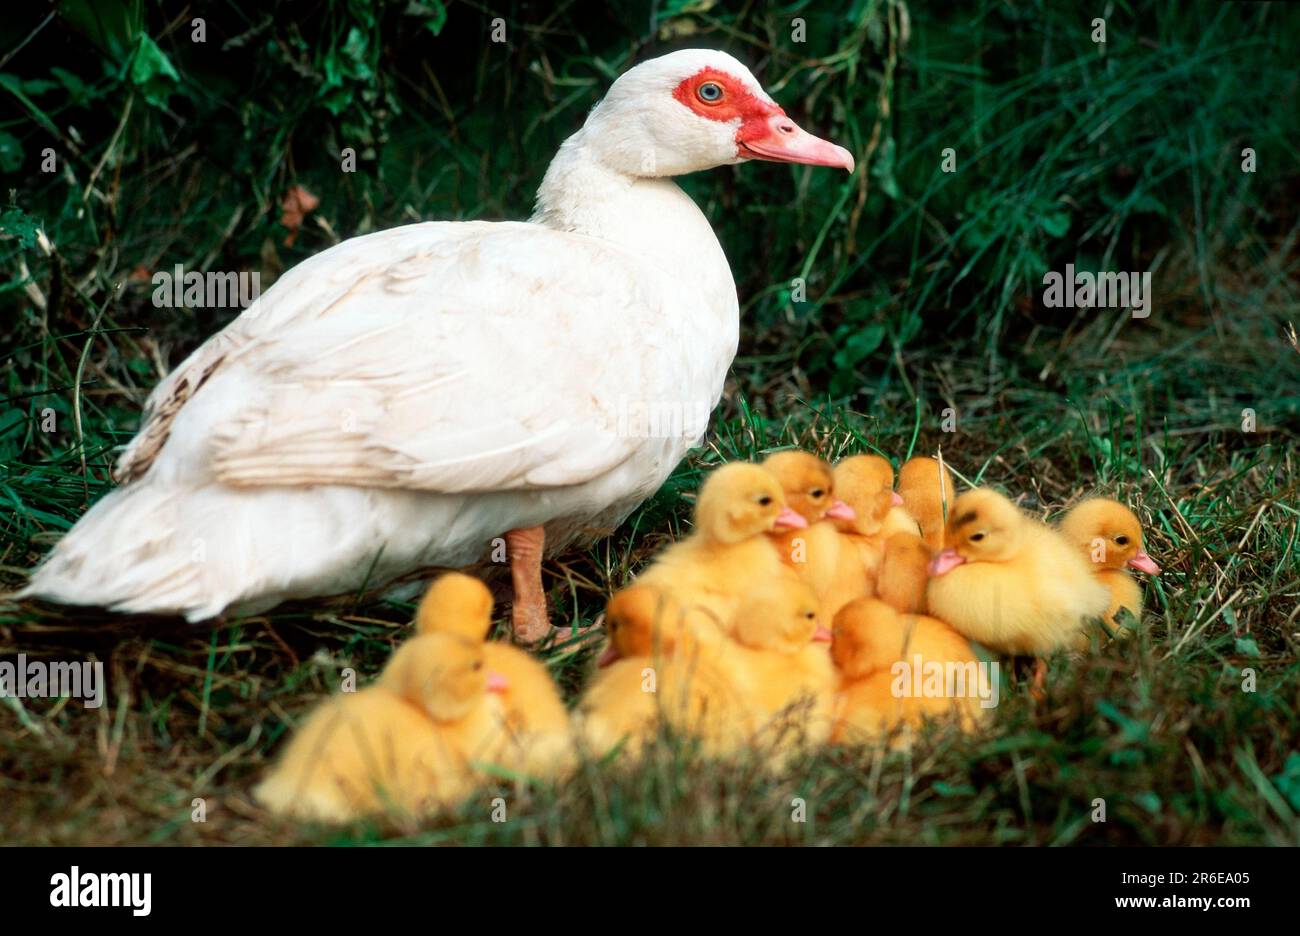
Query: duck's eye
[(764, 501), (710, 92), (478, 665), (976, 537), (1121, 541), (810, 615), (817, 493)]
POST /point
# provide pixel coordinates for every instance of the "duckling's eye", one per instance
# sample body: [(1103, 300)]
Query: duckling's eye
[(976, 537), (1121, 541), (710, 92), (764, 501), (810, 615), (817, 493), (478, 665)]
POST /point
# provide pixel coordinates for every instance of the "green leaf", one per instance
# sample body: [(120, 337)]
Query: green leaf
[(152, 72), (1246, 646), (1131, 730), (355, 48), (1149, 801), (112, 26), (1288, 781), (11, 152), (17, 223), (1148, 204), (945, 789), (433, 13), (856, 345), (11, 84), (1055, 223), (38, 86), (76, 88)]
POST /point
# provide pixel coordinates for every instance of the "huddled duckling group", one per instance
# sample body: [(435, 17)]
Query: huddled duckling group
[(778, 625), (416, 740)]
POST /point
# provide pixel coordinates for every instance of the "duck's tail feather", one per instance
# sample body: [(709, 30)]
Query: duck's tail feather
[(124, 555), (157, 549)]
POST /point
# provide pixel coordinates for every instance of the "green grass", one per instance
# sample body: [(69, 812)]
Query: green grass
[(922, 294), (1158, 726)]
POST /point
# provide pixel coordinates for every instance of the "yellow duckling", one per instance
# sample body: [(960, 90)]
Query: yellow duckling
[(619, 710), (877, 651), (875, 472), (404, 744), (781, 658), (926, 489), (535, 719), (728, 554), (1109, 535), (818, 553), (663, 666), (1010, 582), (865, 483), (808, 485)]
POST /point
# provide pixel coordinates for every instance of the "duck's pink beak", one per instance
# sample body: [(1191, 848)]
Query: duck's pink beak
[(780, 139), (788, 519), (1143, 563), (497, 683), (945, 562), (822, 634), (841, 511), (896, 499), (611, 655)]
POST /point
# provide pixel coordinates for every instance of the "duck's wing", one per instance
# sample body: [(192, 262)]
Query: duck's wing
[(439, 357)]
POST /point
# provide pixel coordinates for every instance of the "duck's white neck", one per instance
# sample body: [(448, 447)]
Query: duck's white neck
[(651, 217)]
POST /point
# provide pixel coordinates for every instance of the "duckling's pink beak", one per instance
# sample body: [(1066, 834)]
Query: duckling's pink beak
[(497, 683), (841, 511), (788, 519), (945, 562), (822, 634), (1143, 563), (896, 499), (611, 655), (779, 139)]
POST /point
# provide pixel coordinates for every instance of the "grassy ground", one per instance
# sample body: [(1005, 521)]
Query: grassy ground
[(1159, 726), (923, 294)]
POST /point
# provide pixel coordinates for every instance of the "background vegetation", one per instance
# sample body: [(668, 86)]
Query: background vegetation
[(923, 293)]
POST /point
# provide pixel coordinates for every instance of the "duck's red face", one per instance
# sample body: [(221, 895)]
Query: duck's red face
[(763, 131)]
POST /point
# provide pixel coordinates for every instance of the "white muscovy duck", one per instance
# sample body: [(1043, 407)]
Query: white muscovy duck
[(408, 397)]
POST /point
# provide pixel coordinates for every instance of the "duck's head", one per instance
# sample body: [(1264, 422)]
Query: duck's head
[(696, 109), (808, 485), (782, 616), (445, 674), (641, 621), (866, 484), (1109, 534), (860, 636), (983, 526), (740, 500), (456, 604)]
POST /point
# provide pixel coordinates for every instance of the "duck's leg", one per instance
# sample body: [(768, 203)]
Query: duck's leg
[(1036, 688), (528, 613)]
